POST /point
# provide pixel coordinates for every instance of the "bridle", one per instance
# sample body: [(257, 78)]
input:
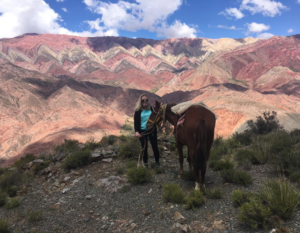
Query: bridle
[(160, 115)]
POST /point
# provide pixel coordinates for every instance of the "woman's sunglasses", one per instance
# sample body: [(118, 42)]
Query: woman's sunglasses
[(145, 100)]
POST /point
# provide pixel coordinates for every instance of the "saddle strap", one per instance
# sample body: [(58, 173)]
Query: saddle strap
[(181, 120)]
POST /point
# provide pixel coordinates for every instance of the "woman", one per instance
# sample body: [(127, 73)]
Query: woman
[(142, 113)]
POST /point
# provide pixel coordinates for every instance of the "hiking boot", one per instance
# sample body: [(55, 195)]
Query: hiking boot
[(157, 165)]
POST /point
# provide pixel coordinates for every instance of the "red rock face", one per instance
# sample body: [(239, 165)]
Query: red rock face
[(54, 87)]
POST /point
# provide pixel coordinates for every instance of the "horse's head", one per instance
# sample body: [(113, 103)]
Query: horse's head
[(157, 114)]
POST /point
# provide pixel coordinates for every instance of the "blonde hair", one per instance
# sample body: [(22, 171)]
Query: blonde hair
[(138, 104)]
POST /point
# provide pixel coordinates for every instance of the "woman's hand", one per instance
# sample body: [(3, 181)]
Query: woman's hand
[(138, 134)]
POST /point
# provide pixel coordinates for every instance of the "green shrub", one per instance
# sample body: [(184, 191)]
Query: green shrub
[(281, 197), (173, 147), (214, 193), (222, 147), (240, 197), (12, 203), (12, 190), (188, 175), (287, 161), (254, 214), (120, 170), (195, 199), (244, 138), (281, 141), (139, 175), (4, 227), (264, 124), (221, 164), (92, 145), (217, 141), (78, 159), (2, 171), (2, 198), (261, 151), (295, 176), (243, 178), (130, 148), (123, 138), (173, 193), (231, 144), (41, 166), (236, 177), (127, 127), (9, 179), (184, 152), (131, 164), (244, 158), (67, 147), (295, 132), (19, 164), (34, 216), (160, 148), (172, 139), (109, 140)]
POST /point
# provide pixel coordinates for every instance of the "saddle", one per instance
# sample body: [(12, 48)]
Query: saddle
[(181, 108)]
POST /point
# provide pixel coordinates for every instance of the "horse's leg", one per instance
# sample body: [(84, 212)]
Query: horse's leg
[(196, 172), (203, 171), (190, 156), (180, 152)]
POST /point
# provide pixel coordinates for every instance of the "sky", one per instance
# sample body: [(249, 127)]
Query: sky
[(155, 19)]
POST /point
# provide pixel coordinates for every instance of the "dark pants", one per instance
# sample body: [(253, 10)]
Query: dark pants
[(153, 139)]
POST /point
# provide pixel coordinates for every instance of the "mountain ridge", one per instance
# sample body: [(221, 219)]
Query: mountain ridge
[(57, 86)]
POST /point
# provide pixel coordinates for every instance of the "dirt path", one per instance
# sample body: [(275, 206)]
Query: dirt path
[(89, 208)]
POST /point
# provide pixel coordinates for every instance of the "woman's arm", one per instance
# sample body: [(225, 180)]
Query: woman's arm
[(137, 123)]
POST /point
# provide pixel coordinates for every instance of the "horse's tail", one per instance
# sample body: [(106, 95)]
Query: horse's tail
[(200, 142)]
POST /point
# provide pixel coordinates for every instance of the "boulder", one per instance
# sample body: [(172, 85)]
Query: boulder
[(96, 156), (108, 160), (112, 184), (37, 161)]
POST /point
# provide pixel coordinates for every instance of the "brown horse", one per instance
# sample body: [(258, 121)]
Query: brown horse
[(196, 132)]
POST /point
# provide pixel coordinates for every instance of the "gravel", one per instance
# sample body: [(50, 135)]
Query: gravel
[(82, 206)]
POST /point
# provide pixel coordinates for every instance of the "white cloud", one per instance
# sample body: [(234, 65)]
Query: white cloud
[(265, 7), (265, 35), (144, 14), (232, 12), (298, 1), (257, 28), (64, 9), (177, 30), (36, 16), (226, 27), (291, 30), (28, 16)]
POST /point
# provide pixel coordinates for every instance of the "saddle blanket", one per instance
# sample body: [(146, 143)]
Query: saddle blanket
[(182, 107)]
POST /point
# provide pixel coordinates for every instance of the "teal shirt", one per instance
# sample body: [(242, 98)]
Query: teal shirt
[(145, 114)]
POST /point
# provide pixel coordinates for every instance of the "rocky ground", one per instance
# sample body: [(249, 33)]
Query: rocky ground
[(93, 199)]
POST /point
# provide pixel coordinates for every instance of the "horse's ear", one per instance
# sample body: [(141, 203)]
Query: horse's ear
[(157, 104)]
